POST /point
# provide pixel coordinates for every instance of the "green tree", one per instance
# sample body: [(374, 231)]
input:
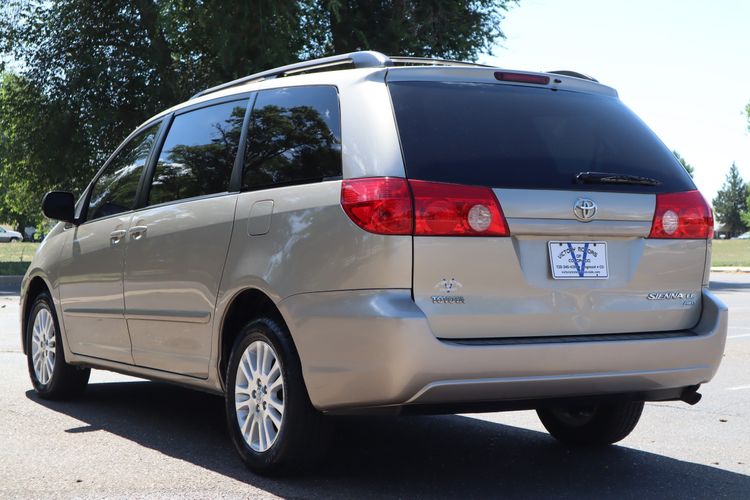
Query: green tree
[(36, 154), (731, 202), (453, 29), (745, 216), (688, 167), (100, 68)]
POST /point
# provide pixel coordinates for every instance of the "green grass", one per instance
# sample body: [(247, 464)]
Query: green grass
[(16, 257), (731, 253)]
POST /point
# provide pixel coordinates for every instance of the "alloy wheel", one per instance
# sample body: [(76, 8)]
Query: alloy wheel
[(259, 396), (43, 346)]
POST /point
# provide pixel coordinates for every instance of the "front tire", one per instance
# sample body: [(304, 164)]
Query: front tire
[(51, 376), (592, 425), (271, 421)]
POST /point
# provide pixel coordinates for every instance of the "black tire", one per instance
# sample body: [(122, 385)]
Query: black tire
[(592, 425), (66, 381), (302, 434), (15, 240)]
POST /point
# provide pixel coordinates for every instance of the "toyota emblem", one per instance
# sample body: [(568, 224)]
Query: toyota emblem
[(584, 209)]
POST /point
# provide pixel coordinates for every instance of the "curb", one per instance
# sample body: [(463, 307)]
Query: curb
[(730, 269)]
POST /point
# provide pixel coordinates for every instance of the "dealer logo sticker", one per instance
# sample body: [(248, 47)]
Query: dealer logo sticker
[(448, 287)]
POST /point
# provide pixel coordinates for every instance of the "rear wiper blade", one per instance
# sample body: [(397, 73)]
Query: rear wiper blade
[(609, 178)]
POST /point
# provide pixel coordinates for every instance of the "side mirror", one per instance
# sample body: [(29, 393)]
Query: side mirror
[(59, 205)]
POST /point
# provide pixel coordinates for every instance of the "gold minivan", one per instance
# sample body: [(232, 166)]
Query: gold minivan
[(372, 234)]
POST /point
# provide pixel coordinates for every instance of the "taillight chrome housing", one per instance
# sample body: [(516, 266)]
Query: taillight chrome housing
[(391, 205), (683, 215)]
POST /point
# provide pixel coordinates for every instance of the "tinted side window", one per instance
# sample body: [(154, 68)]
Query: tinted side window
[(115, 189), (198, 153), (294, 137)]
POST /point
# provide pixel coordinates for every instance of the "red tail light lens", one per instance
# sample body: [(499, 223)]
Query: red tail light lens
[(390, 205), (379, 205), (454, 210), (682, 216)]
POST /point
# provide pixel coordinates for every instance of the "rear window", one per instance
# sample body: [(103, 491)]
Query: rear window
[(507, 136)]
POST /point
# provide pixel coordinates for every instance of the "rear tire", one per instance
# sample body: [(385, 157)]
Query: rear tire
[(271, 421), (592, 425), (51, 376)]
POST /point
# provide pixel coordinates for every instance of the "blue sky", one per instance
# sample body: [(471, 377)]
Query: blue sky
[(682, 66)]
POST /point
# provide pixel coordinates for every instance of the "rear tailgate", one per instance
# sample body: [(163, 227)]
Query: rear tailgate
[(528, 143)]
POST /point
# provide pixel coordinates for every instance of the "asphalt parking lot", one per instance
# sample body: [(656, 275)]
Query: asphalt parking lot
[(129, 438)]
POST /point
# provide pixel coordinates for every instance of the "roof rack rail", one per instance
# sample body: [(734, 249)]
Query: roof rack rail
[(574, 74), (429, 61), (362, 59)]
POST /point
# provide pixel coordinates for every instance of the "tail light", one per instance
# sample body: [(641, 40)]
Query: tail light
[(455, 210), (389, 205), (380, 205), (682, 216)]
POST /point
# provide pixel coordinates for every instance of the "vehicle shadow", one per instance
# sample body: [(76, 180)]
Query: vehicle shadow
[(441, 456)]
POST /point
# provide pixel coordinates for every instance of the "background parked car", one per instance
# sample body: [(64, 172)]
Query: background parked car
[(8, 236), (744, 236)]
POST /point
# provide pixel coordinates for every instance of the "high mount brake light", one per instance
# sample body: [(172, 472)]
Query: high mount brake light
[(389, 205), (683, 215), (504, 76)]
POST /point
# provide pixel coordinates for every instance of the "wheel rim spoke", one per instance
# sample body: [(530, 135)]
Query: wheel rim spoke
[(259, 395), (275, 417), (268, 430), (277, 405), (252, 431), (246, 369), (247, 423), (44, 371), (276, 384), (38, 367)]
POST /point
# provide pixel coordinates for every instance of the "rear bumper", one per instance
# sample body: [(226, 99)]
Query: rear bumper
[(374, 348)]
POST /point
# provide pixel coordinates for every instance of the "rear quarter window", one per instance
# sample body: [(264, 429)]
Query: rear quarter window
[(507, 136), (294, 137)]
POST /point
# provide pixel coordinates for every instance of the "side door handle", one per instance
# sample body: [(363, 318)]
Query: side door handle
[(137, 232), (116, 236)]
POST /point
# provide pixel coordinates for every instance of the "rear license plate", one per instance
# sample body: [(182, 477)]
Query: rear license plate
[(578, 260)]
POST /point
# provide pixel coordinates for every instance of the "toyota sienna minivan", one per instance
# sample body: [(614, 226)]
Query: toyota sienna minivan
[(370, 234)]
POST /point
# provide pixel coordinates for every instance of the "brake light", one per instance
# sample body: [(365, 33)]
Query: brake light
[(454, 210), (389, 205), (682, 216), (379, 205), (504, 76)]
